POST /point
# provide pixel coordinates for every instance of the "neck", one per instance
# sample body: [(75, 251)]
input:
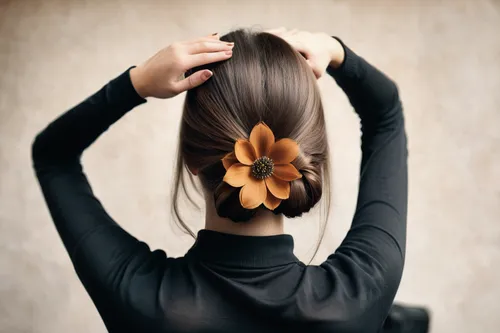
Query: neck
[(264, 223)]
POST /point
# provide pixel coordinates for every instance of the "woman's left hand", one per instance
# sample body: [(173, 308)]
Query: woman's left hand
[(319, 48), (162, 75)]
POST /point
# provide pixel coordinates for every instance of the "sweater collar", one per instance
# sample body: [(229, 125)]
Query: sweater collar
[(249, 251)]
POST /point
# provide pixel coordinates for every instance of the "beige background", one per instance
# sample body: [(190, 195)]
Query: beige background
[(444, 55)]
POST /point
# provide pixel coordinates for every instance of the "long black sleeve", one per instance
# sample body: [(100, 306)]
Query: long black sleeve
[(104, 255), (56, 154), (370, 260)]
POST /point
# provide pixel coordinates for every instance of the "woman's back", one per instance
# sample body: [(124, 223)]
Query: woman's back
[(213, 289), (228, 282)]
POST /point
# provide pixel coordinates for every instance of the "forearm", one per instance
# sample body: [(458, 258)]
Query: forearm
[(337, 54), (70, 134), (373, 95)]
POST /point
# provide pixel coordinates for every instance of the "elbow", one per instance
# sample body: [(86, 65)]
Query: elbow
[(396, 99), (392, 118), (48, 152), (393, 99), (385, 110), (36, 150), (40, 151)]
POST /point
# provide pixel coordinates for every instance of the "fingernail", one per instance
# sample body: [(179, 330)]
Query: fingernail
[(229, 52), (230, 43), (207, 74)]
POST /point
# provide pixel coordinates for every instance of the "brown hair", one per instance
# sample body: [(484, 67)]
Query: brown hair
[(265, 80)]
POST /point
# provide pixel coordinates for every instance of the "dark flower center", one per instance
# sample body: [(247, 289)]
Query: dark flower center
[(263, 167)]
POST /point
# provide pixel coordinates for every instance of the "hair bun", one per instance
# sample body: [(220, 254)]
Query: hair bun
[(305, 193), (296, 192)]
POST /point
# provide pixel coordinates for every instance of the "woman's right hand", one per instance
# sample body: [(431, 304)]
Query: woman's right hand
[(162, 75), (319, 49)]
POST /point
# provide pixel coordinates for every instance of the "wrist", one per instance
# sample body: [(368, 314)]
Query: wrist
[(137, 79), (337, 54)]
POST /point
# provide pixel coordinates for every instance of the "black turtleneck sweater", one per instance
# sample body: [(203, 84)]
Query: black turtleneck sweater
[(229, 283)]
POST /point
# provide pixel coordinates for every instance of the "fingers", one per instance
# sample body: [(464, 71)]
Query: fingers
[(315, 70), (200, 59), (209, 46), (298, 45), (292, 37), (193, 80)]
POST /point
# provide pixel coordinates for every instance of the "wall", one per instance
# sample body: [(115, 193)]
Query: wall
[(444, 55)]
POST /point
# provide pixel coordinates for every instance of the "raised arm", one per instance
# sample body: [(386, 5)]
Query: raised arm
[(374, 249), (365, 271), (78, 215), (105, 256)]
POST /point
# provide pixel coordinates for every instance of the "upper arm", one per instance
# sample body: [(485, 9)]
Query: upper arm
[(104, 255), (361, 281), (373, 251)]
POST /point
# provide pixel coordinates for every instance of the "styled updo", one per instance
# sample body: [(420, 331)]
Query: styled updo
[(265, 80)]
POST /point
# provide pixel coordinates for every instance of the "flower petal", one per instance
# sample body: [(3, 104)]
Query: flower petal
[(271, 201), (244, 151), (262, 138), (229, 160), (284, 151), (253, 194), (238, 175), (279, 188), (286, 172)]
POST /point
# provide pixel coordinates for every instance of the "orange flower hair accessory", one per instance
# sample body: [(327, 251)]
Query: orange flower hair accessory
[(261, 167)]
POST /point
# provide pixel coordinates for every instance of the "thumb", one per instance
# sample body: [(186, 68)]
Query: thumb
[(194, 80)]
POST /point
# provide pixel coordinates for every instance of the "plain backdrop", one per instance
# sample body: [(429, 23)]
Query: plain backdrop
[(444, 56)]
